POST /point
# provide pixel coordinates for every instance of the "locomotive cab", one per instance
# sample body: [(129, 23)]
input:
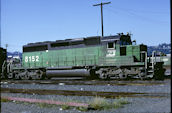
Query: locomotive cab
[(127, 48), (122, 46)]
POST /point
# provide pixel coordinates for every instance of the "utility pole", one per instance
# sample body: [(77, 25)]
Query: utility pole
[(101, 4)]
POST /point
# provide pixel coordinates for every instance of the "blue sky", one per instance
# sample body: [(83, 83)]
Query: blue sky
[(29, 21)]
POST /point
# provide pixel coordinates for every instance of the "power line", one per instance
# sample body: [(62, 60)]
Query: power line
[(101, 5), (142, 11), (132, 13)]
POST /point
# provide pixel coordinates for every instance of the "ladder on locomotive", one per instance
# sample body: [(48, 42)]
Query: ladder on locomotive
[(151, 65), (6, 69)]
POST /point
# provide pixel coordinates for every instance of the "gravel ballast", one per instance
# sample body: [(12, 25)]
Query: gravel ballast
[(136, 105), (165, 87)]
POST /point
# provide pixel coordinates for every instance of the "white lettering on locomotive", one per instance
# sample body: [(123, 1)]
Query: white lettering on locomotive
[(111, 53), (31, 59)]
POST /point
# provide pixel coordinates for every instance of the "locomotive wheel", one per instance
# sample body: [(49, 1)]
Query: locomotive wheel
[(10, 76), (39, 77), (22, 77), (103, 75), (17, 77), (122, 76), (27, 77)]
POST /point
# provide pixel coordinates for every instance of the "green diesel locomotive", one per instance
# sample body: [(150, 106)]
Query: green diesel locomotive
[(108, 57)]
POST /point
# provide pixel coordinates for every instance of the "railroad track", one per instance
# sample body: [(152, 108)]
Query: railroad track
[(83, 82), (146, 93), (84, 93)]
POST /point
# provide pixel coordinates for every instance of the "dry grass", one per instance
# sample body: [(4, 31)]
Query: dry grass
[(82, 108), (65, 107), (99, 103), (4, 100), (45, 105)]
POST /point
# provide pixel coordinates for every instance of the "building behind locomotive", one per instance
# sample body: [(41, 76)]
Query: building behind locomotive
[(167, 64)]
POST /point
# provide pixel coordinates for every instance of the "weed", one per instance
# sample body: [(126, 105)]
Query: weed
[(4, 100), (65, 107), (44, 105), (99, 103), (123, 101), (116, 104), (119, 102), (82, 108), (24, 103)]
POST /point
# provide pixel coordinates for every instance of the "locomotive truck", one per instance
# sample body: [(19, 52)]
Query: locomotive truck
[(108, 57)]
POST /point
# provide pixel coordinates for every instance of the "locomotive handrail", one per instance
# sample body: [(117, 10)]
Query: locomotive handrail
[(9, 67), (153, 59), (145, 58), (3, 68)]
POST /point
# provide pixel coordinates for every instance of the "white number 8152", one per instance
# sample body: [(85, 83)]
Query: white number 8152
[(31, 58)]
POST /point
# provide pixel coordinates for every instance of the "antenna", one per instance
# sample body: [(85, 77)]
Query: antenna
[(101, 4), (97, 32)]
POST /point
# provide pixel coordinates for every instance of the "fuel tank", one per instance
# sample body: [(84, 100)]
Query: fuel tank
[(68, 73)]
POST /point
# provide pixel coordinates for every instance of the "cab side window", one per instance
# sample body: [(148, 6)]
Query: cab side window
[(122, 51), (110, 45)]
